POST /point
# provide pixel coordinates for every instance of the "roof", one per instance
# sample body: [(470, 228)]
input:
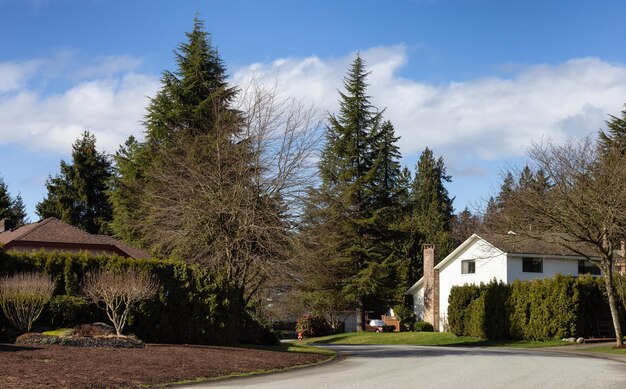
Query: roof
[(512, 243), (55, 232)]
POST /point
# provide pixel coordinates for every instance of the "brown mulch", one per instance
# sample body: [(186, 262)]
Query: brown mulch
[(54, 366)]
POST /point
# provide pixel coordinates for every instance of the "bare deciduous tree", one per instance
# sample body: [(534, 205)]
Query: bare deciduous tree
[(583, 211), (23, 296), (117, 292), (227, 199)]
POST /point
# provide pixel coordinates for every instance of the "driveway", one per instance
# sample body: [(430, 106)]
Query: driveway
[(444, 367)]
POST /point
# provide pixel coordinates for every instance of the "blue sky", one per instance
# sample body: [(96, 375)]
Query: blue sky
[(474, 80)]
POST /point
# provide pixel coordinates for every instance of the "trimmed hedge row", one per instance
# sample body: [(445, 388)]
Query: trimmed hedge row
[(552, 308), (192, 306)]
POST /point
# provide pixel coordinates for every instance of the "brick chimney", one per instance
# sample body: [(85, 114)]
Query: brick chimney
[(431, 287)]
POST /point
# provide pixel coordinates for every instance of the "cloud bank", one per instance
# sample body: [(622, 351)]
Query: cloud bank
[(488, 118)]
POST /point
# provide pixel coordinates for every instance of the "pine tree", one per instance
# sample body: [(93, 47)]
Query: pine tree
[(78, 194), (615, 138)]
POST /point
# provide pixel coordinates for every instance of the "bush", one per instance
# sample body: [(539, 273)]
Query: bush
[(193, 304), (313, 325), (67, 311), (406, 316), (545, 309), (117, 292), (459, 300), (423, 326), (23, 297)]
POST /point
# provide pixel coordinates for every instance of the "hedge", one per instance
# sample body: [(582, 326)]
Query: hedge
[(192, 306), (552, 308)]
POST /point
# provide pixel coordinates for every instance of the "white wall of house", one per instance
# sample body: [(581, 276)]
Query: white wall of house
[(551, 267), (418, 304), (490, 263)]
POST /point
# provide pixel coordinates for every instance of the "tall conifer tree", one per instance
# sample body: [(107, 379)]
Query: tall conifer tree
[(78, 194), (431, 212), (190, 102), (360, 172)]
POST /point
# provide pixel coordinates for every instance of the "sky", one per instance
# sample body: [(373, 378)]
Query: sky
[(476, 81)]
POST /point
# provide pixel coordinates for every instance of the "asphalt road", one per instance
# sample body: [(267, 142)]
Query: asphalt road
[(443, 367)]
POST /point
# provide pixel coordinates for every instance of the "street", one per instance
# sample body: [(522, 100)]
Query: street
[(396, 366)]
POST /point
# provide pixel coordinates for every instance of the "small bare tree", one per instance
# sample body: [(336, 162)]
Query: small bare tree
[(23, 296), (117, 292), (583, 209)]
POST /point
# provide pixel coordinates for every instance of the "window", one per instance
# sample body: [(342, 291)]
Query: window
[(468, 266), (532, 265), (587, 267)]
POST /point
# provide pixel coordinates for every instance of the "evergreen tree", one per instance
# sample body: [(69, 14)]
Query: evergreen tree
[(190, 103), (18, 211), (615, 138), (78, 194), (432, 211), (464, 225), (359, 170), (6, 201)]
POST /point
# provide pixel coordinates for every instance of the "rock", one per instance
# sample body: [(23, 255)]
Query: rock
[(571, 340), (580, 340)]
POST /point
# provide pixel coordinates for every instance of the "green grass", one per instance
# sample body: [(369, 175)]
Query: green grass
[(60, 332), (427, 339), (295, 347), (605, 349)]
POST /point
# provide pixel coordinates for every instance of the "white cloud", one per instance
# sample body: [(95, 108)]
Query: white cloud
[(466, 122), (489, 118), (13, 76), (112, 108)]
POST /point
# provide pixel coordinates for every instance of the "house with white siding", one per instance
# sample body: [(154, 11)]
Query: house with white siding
[(487, 257)]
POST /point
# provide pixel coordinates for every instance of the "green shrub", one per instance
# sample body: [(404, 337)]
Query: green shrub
[(423, 326), (68, 311), (544, 309), (458, 301), (406, 316), (313, 325), (193, 305)]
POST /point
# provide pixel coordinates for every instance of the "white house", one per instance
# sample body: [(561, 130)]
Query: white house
[(484, 258)]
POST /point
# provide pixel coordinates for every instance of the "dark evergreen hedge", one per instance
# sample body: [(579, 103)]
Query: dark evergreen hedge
[(192, 306), (552, 308)]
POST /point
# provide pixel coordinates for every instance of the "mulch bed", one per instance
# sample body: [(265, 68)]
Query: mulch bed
[(54, 366)]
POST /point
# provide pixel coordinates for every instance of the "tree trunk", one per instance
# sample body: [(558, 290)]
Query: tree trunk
[(360, 315), (610, 292)]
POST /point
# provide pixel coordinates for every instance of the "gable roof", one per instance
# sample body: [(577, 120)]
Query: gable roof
[(55, 232)]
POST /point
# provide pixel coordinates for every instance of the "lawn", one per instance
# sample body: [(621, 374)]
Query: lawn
[(606, 349), (426, 339)]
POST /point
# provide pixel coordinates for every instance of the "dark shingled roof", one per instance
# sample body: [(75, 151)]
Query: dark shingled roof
[(549, 245), (54, 231)]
